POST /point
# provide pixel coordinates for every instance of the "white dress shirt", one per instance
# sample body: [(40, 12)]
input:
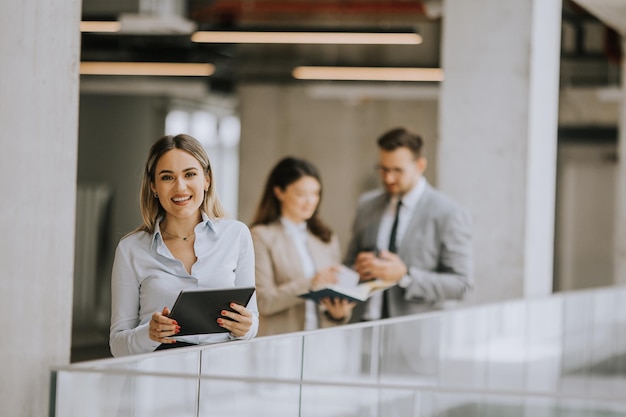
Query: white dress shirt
[(409, 202), (146, 277), (298, 232)]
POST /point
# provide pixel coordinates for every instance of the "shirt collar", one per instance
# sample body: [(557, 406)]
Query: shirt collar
[(157, 227), (293, 228), (208, 222), (410, 199)]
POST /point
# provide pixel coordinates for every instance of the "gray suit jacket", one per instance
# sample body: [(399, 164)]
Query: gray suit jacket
[(436, 248)]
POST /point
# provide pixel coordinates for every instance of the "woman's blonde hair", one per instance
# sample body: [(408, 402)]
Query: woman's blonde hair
[(149, 205)]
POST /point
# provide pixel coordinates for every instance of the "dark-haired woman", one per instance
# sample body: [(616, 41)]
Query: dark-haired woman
[(294, 252), (184, 243)]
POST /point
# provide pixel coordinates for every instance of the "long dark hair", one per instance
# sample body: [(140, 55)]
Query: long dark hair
[(287, 171)]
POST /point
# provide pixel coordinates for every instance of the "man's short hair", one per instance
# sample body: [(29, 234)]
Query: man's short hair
[(401, 137)]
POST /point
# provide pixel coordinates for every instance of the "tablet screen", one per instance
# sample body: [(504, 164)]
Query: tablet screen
[(197, 311)]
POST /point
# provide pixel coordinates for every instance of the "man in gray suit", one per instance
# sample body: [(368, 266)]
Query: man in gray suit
[(411, 234)]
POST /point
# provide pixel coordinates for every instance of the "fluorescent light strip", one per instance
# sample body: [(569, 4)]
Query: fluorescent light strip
[(103, 27), (308, 38), (368, 74), (146, 68)]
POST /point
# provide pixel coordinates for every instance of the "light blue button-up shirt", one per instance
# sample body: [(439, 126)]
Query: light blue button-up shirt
[(146, 277), (299, 235)]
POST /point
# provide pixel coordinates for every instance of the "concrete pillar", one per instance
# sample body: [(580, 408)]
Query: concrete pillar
[(39, 56), (498, 124), (620, 200)]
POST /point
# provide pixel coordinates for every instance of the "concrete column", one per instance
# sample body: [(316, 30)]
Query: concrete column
[(498, 124), (620, 200), (39, 56)]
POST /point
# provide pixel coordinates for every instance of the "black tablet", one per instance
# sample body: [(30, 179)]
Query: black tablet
[(197, 311)]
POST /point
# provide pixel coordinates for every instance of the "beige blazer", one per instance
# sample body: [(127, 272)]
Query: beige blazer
[(280, 278)]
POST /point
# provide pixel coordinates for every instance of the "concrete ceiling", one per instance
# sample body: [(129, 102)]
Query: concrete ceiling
[(254, 62), (583, 60)]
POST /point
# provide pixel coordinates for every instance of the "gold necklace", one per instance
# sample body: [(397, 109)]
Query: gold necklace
[(179, 237)]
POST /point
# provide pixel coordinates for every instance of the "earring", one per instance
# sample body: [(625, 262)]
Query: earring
[(156, 195)]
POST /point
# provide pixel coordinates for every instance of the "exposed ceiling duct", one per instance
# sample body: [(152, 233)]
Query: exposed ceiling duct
[(146, 17), (160, 31), (348, 12)]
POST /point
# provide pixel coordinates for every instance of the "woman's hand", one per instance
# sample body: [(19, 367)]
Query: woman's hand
[(338, 308), (241, 320), (161, 327), (324, 278)]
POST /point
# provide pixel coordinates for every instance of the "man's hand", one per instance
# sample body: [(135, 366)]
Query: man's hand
[(387, 266)]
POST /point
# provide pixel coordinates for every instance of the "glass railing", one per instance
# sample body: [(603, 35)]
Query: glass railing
[(563, 355)]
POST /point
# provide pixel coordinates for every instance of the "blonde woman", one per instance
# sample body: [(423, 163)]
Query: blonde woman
[(184, 243)]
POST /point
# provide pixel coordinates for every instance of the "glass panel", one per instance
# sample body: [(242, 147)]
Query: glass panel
[(603, 352), (262, 358), (345, 355), (352, 401), (545, 340), (489, 360), (506, 353), (410, 351), (576, 356), (619, 337), (108, 395), (463, 353), (490, 405), (247, 399), (132, 385)]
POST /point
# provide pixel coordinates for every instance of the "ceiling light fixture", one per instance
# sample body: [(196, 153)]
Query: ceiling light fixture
[(350, 38), (367, 73), (147, 68), (100, 26)]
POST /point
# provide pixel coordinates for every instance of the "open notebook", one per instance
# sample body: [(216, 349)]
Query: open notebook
[(349, 288)]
